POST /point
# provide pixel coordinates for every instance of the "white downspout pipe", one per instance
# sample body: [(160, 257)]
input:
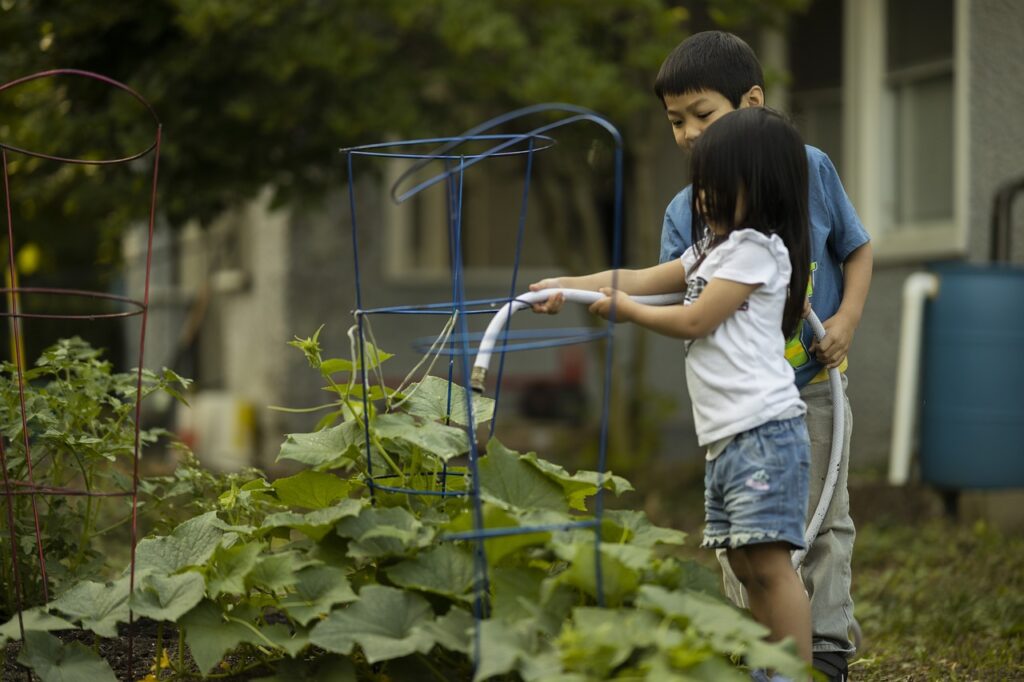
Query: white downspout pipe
[(918, 287)]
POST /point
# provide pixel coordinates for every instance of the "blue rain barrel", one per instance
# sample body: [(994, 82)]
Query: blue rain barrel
[(972, 418)]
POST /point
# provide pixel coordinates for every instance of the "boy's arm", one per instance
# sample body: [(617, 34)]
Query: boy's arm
[(839, 329), (719, 299)]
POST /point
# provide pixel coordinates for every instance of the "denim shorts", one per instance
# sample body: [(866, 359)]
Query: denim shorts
[(755, 491)]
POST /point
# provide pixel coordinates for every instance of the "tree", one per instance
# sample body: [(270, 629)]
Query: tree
[(254, 93)]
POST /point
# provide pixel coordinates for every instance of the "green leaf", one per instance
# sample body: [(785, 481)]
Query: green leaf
[(381, 532), (507, 480), (311, 489), (443, 441), (581, 485), (374, 356), (384, 623), (333, 365), (443, 569), (99, 607), (722, 626), (317, 590), (326, 448), (640, 531), (167, 598), (599, 640), (453, 630), (190, 544), (35, 618), (55, 661), (618, 580), (230, 567), (315, 524), (210, 635), (507, 648), (429, 399), (283, 637), (275, 572), (497, 548)]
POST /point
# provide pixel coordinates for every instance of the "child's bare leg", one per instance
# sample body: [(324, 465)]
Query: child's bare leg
[(777, 596)]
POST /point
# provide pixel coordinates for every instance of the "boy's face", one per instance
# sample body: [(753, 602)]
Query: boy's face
[(692, 112)]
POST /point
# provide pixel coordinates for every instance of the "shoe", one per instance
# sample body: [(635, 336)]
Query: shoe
[(832, 665)]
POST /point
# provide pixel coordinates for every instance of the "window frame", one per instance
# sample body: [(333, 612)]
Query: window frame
[(868, 136)]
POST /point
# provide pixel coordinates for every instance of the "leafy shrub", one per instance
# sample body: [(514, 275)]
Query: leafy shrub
[(314, 577), (80, 416)]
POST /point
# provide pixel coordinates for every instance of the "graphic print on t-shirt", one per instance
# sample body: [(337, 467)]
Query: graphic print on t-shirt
[(796, 351)]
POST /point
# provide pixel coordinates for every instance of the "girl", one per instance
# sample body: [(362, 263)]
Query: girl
[(745, 280)]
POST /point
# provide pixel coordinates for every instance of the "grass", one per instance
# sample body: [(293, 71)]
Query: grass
[(939, 601), (936, 600)]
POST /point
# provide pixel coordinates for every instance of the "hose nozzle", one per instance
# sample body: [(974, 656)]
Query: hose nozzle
[(477, 379)]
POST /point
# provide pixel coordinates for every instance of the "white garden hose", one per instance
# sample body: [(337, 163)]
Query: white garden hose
[(500, 320)]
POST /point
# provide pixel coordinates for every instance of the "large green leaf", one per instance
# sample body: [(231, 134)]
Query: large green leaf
[(443, 569), (99, 607), (35, 618), (506, 648), (380, 532), (443, 441), (210, 635), (618, 580), (290, 640), (598, 640), (640, 531), (190, 544), (315, 524), (429, 399), (326, 448), (167, 598), (230, 566), (54, 661), (317, 590), (385, 623), (507, 480), (453, 630), (311, 489), (581, 485), (498, 547), (723, 627), (278, 571)]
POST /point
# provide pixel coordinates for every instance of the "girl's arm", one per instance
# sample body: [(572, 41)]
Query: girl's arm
[(720, 299), (659, 279)]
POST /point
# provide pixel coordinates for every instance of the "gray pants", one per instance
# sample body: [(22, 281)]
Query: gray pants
[(826, 569)]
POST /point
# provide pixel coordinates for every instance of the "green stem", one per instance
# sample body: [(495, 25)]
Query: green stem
[(433, 669), (157, 658)]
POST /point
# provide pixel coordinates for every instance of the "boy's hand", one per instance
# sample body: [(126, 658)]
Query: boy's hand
[(623, 305), (832, 350), (554, 303)]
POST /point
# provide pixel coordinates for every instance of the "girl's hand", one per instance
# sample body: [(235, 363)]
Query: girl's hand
[(554, 303), (807, 308), (624, 305)]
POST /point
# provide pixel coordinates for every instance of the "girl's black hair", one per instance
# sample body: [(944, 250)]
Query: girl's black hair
[(756, 156), (710, 60)]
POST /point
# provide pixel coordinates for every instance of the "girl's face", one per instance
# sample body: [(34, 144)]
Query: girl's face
[(737, 219)]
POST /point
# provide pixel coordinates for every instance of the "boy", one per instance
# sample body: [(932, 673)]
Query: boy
[(705, 77)]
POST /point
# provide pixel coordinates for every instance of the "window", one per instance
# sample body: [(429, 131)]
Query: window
[(904, 103)]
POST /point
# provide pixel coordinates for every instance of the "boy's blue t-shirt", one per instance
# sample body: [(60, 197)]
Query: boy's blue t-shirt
[(836, 232)]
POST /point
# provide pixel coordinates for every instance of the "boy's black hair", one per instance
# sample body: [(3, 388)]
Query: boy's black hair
[(756, 156), (710, 60)]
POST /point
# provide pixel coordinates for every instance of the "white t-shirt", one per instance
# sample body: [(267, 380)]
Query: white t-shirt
[(738, 375)]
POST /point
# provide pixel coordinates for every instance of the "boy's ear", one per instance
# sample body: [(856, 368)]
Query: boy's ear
[(754, 97)]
